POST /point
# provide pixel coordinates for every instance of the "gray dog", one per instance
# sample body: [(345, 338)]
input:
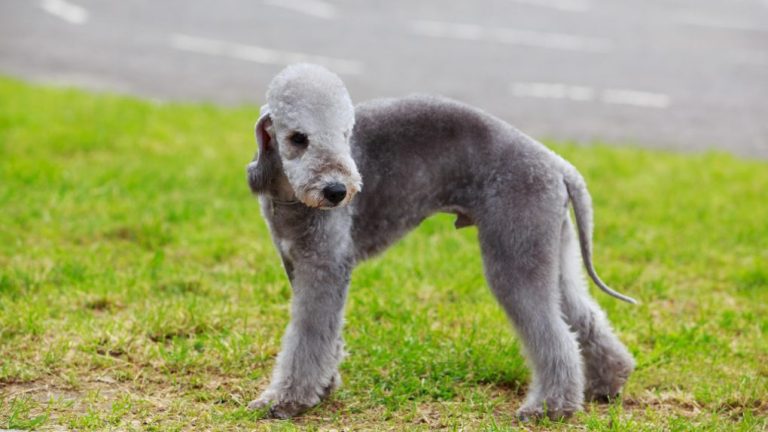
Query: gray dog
[(417, 156)]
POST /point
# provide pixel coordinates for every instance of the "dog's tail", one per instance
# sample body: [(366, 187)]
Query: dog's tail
[(582, 209)]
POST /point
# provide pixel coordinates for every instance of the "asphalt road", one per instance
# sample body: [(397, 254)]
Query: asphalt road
[(678, 74)]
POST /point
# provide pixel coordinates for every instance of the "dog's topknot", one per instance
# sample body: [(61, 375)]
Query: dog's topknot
[(303, 88)]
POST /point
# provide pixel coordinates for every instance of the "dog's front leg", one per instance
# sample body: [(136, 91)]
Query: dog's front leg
[(307, 366)]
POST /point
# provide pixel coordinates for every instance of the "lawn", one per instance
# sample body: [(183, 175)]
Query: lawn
[(139, 289)]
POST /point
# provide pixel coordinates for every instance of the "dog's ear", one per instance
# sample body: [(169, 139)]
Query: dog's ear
[(266, 164), (263, 129)]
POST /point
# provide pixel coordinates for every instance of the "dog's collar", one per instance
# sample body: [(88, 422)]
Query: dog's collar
[(277, 203), (284, 202)]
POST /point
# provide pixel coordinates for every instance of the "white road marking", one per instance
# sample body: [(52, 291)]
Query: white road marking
[(562, 5), (636, 98), (717, 24), (510, 36), (258, 54), (553, 91), (589, 94), (69, 12), (315, 8)]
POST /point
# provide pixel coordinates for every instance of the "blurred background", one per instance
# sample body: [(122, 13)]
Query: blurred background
[(686, 75)]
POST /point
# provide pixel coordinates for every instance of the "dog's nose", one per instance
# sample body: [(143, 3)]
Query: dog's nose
[(335, 193)]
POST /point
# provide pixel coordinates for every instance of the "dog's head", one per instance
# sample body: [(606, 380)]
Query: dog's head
[(303, 135)]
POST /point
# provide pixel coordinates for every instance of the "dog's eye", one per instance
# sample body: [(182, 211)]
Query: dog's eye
[(299, 139)]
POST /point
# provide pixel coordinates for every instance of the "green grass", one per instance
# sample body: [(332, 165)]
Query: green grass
[(139, 288)]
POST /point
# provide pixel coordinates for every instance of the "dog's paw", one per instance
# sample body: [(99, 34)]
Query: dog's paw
[(603, 393), (279, 410), (552, 409), (262, 403), (535, 414), (285, 401), (604, 385), (333, 385), (288, 409)]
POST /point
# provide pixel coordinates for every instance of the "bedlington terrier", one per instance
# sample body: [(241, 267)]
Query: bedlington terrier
[(339, 184)]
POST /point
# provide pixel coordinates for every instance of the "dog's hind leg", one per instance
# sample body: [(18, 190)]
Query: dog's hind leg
[(607, 363), (520, 247)]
